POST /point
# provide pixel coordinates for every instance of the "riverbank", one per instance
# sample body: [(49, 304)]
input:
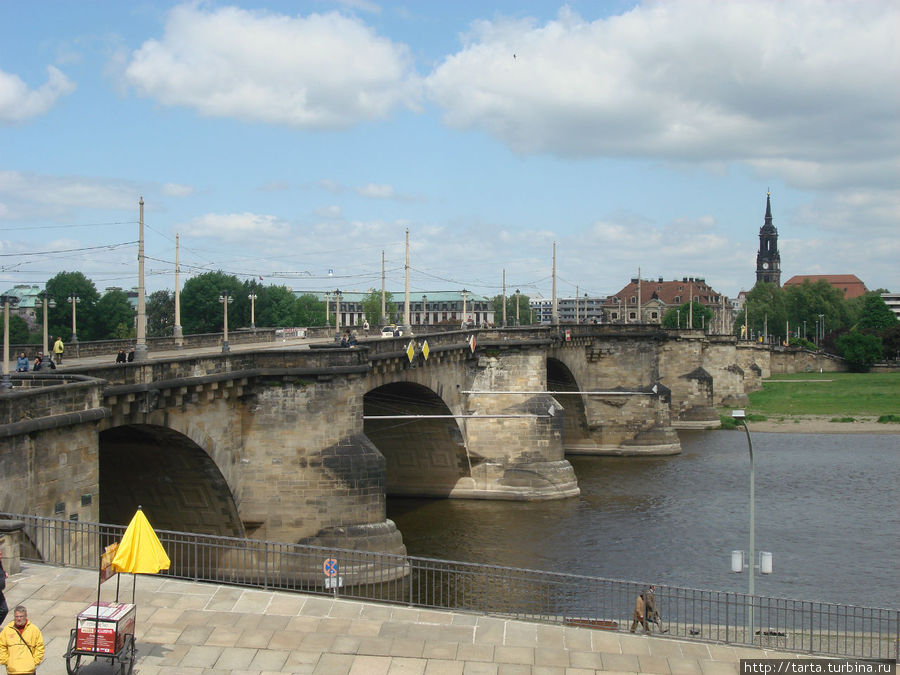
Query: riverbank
[(824, 424)]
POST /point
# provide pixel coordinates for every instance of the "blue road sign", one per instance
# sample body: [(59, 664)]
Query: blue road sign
[(330, 567)]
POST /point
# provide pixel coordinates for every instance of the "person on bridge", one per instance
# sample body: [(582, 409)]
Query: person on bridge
[(120, 357), (651, 610), (22, 363), (58, 349), (40, 361), (638, 616), (21, 644), (131, 355)]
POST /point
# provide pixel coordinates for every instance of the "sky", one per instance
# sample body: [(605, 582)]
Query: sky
[(296, 142)]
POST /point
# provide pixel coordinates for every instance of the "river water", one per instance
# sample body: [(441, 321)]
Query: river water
[(827, 507)]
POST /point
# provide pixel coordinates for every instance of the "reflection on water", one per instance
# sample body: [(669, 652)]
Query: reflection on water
[(826, 506)]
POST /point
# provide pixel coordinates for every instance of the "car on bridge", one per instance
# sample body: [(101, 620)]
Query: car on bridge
[(391, 331)]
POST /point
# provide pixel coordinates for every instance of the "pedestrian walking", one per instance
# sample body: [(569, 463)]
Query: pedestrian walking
[(651, 609), (21, 644), (639, 616), (58, 349)]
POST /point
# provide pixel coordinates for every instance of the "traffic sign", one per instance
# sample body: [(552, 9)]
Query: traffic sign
[(471, 342), (330, 567), (411, 350), (426, 350)]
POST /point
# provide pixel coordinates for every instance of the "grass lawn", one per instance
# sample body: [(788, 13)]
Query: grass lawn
[(840, 394)]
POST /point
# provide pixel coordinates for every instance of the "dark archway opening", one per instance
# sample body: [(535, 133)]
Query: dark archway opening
[(424, 457), (575, 426), (170, 477)]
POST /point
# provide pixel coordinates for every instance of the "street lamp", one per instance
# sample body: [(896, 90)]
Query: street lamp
[(517, 306), (678, 312), (737, 557), (424, 309), (51, 303), (337, 311), (822, 329), (73, 300), (7, 300), (226, 299), (464, 294), (252, 297)]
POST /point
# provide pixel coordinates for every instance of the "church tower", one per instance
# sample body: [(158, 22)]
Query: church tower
[(768, 260)]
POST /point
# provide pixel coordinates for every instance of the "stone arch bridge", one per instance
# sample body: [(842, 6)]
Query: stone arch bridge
[(304, 444)]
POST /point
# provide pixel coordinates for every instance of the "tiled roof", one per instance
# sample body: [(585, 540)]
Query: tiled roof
[(850, 284), (668, 291)]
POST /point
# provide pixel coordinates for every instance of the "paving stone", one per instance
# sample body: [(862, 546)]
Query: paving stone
[(407, 666), (234, 658), (518, 655), (370, 665), (443, 667)]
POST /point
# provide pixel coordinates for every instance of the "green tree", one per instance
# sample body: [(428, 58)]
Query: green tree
[(859, 350), (702, 316), (807, 301), (371, 306), (309, 311), (875, 314), (161, 314), (60, 288), (276, 307), (114, 316), (18, 329), (765, 308), (201, 311)]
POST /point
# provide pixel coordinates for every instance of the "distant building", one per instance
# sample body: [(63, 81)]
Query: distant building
[(656, 297), (582, 309), (892, 300), (434, 308), (768, 259), (849, 284), (28, 300)]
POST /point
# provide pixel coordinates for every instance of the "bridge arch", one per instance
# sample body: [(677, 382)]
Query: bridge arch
[(575, 426), (424, 457), (172, 478)]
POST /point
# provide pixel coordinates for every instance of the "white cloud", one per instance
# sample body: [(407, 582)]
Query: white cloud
[(374, 191), (697, 80), (331, 212), (322, 71), (30, 196), (177, 190), (239, 227), (19, 103)]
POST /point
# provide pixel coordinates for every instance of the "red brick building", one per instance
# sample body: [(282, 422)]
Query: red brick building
[(656, 297), (849, 284)]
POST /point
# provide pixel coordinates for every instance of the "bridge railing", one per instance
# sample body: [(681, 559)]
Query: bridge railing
[(687, 613)]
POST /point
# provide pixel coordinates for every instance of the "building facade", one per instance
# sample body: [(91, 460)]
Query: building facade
[(582, 309), (648, 301)]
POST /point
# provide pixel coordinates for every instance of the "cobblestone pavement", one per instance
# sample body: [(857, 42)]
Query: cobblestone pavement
[(197, 628)]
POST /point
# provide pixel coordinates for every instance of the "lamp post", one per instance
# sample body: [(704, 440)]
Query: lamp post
[(464, 294), (252, 297), (822, 329), (226, 299), (424, 309), (737, 557), (7, 300), (337, 311), (517, 306), (74, 300), (678, 313), (51, 303)]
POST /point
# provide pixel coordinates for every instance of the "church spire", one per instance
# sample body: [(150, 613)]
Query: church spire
[(768, 260)]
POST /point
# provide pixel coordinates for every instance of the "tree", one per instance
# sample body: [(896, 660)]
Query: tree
[(201, 311), (765, 308), (276, 307), (806, 301), (875, 314), (371, 306), (161, 314), (309, 311), (60, 288), (18, 329), (702, 316), (114, 316), (859, 350)]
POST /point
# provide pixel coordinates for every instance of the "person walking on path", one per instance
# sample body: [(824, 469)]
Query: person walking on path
[(4, 609), (21, 644), (58, 349), (651, 610), (639, 616)]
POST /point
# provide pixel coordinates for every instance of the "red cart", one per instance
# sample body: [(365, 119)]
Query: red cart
[(105, 630)]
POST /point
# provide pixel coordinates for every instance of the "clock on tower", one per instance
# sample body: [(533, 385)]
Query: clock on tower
[(768, 260)]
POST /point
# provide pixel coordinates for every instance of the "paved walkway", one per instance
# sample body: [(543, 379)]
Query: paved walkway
[(186, 628)]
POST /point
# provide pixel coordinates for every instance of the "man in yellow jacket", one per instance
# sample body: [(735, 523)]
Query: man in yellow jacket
[(21, 644)]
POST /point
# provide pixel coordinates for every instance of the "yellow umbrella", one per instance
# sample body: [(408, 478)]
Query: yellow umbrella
[(140, 551)]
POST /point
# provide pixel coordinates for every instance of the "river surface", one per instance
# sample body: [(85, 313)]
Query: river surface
[(827, 507)]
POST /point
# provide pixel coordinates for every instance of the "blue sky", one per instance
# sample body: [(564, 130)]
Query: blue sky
[(296, 141)]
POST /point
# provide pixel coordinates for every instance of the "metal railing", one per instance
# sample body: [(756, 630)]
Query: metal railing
[(532, 595)]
